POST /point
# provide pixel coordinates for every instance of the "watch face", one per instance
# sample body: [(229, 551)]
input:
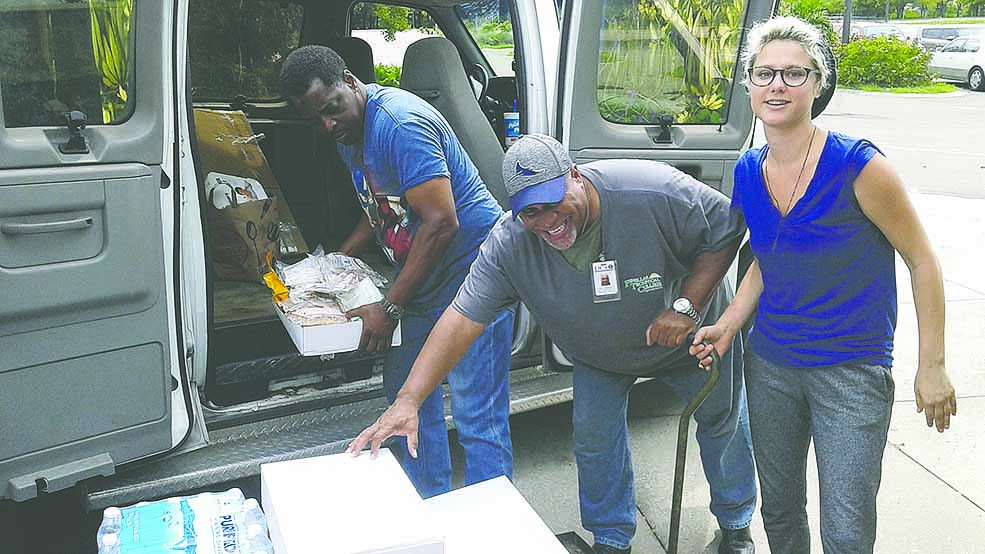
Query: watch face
[(682, 305)]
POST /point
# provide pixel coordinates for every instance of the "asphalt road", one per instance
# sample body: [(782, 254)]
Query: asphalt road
[(935, 141)]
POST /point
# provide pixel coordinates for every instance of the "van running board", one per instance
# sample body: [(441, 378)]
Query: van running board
[(236, 452)]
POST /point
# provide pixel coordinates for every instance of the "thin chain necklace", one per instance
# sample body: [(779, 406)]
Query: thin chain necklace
[(796, 186)]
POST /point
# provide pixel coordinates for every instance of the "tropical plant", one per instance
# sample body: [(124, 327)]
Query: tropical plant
[(111, 50), (705, 34)]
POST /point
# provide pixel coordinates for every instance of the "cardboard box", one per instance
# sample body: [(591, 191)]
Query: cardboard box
[(228, 145), (491, 517), (315, 340), (346, 505)]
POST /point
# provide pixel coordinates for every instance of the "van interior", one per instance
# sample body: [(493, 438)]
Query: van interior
[(250, 353)]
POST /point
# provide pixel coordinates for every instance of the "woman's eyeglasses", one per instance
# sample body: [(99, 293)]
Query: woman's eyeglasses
[(763, 76)]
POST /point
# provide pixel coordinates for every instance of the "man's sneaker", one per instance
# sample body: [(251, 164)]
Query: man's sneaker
[(606, 549), (736, 541)]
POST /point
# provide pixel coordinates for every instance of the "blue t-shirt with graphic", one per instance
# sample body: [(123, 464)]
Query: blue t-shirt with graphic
[(407, 142), (829, 274)]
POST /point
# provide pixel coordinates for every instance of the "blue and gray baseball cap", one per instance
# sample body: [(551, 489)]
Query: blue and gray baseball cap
[(534, 170)]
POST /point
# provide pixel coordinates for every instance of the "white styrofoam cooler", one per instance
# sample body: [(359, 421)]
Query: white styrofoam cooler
[(346, 505), (315, 340), (491, 517)]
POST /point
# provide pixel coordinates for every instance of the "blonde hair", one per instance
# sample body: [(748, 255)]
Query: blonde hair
[(792, 29)]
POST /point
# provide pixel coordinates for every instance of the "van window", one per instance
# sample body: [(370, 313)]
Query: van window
[(660, 58), (389, 30), (235, 48), (56, 57), (489, 23)]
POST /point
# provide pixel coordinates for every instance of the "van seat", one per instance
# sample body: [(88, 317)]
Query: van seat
[(433, 70)]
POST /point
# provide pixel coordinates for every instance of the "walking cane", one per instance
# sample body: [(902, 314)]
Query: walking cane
[(703, 392)]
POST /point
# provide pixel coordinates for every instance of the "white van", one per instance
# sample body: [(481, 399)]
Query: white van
[(127, 365)]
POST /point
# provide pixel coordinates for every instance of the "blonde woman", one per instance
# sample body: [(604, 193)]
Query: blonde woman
[(826, 215)]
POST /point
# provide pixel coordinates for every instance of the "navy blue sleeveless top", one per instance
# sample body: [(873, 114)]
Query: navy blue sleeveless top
[(829, 274)]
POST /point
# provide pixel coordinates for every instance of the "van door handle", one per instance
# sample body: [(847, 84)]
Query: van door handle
[(51, 227)]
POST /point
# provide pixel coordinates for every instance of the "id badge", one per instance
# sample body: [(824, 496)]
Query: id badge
[(605, 282)]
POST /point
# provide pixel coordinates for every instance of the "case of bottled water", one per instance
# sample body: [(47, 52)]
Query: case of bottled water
[(206, 523)]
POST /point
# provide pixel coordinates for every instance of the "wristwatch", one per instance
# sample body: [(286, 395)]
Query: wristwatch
[(393, 311), (683, 306)]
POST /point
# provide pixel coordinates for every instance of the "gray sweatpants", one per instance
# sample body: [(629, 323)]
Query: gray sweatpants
[(846, 410)]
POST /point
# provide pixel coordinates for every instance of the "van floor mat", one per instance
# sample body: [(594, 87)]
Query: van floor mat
[(272, 368)]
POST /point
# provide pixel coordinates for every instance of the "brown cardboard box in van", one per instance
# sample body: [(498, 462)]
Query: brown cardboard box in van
[(228, 145)]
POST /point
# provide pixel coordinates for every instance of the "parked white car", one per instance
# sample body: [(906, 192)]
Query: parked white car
[(962, 59)]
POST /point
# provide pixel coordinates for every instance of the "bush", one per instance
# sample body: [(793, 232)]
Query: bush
[(883, 62), (495, 33), (388, 75)]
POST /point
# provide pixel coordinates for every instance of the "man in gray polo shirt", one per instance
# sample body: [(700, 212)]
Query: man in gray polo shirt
[(618, 260)]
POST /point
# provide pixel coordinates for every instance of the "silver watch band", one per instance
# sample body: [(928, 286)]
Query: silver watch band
[(394, 311), (691, 313)]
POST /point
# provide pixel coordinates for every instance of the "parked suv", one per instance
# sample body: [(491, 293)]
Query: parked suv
[(934, 38), (129, 364)]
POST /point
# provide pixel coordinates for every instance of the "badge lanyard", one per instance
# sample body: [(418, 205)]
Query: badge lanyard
[(605, 278)]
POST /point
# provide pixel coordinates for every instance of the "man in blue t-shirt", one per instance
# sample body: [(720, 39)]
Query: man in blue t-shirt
[(429, 211)]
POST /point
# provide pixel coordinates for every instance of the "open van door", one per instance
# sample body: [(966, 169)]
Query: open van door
[(91, 368), (657, 79)]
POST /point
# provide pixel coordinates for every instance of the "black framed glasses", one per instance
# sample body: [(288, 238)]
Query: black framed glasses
[(795, 76)]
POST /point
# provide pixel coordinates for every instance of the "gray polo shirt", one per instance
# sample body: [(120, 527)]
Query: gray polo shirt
[(655, 220)]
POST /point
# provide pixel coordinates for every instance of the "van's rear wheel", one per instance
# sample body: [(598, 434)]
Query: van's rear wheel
[(976, 79)]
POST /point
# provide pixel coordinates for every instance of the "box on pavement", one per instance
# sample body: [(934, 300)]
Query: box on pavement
[(346, 505), (491, 517), (328, 338)]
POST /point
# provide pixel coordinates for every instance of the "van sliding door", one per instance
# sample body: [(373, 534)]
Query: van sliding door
[(89, 374)]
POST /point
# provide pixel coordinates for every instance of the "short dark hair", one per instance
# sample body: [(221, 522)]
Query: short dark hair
[(308, 63)]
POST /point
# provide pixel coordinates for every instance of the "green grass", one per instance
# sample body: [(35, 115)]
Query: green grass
[(944, 21), (936, 88)]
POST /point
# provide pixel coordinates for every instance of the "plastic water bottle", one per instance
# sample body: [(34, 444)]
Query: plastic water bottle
[(254, 522), (208, 523), (108, 535), (109, 544), (511, 123)]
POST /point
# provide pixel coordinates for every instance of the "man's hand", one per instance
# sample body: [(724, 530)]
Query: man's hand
[(377, 327), (935, 397), (399, 419), (669, 329)]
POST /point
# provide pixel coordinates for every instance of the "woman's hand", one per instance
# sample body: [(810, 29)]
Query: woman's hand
[(716, 337), (935, 397)]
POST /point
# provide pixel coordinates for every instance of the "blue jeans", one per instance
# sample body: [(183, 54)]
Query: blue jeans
[(846, 410), (606, 489), (480, 392)]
